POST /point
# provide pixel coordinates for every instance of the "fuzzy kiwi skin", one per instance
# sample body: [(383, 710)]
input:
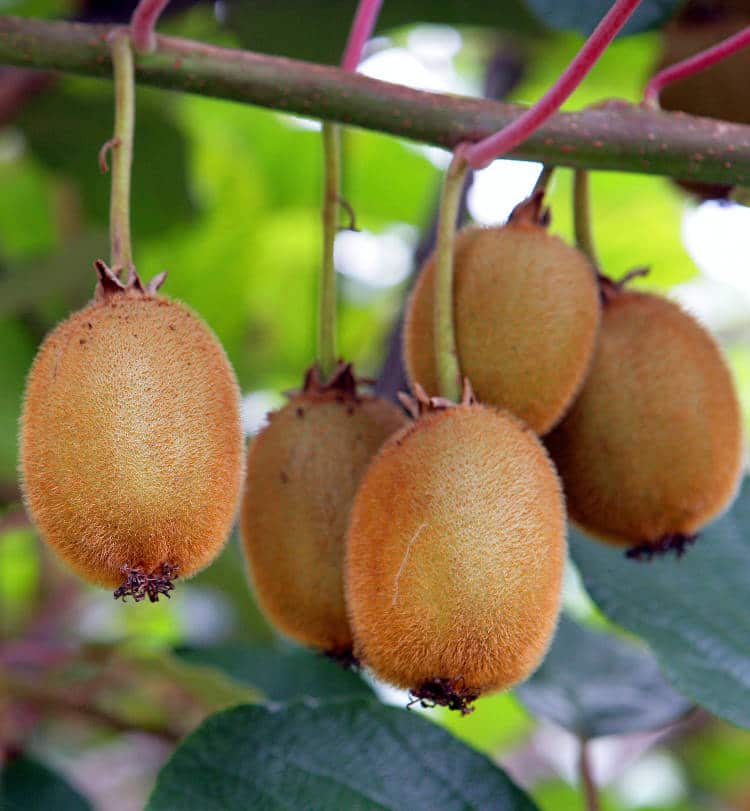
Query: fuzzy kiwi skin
[(526, 311), (131, 444), (302, 473), (652, 446), (455, 552)]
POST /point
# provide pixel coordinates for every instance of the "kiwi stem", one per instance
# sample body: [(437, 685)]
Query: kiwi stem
[(582, 215), (446, 352), (122, 152), (587, 779), (543, 181), (694, 64), (142, 24), (484, 152), (361, 30), (327, 292)]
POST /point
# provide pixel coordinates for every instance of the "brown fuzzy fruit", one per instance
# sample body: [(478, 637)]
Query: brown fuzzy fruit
[(526, 310), (455, 555), (131, 445), (651, 450), (302, 473)]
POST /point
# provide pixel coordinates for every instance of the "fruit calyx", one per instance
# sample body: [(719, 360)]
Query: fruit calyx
[(344, 657), (422, 403), (139, 584), (531, 211), (450, 693), (609, 289), (676, 542), (109, 283)]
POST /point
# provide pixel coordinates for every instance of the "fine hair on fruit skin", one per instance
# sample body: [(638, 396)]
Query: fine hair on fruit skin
[(651, 450), (526, 313), (131, 448), (302, 473), (455, 555)]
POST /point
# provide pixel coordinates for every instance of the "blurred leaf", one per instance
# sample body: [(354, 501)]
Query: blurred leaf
[(584, 15), (594, 683), (28, 785), (17, 351), (692, 612), (26, 226), (283, 26), (19, 577), (282, 675), (66, 128), (355, 755)]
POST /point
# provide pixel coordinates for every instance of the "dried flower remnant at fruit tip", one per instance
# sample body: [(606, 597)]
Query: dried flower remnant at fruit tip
[(140, 584), (450, 693), (676, 542)]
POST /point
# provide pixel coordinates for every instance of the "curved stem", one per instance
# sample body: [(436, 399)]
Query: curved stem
[(361, 31), (543, 181), (587, 779), (582, 215), (122, 153), (446, 352), (694, 64), (484, 152), (327, 292), (142, 24)]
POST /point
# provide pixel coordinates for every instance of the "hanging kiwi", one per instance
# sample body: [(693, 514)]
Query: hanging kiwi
[(526, 313)]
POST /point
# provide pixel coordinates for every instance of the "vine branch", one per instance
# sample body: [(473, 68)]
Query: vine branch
[(614, 136)]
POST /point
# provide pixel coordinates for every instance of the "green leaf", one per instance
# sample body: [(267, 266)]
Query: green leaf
[(692, 612), (358, 756), (584, 15), (594, 683), (17, 352), (282, 675), (27, 785)]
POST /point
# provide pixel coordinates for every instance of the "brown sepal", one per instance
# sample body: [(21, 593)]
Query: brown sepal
[(609, 289), (342, 383), (676, 542), (450, 693), (139, 584), (422, 403), (109, 283), (531, 211)]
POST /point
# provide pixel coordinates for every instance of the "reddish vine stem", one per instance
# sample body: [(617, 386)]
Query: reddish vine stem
[(142, 24), (484, 152), (694, 64), (361, 31)]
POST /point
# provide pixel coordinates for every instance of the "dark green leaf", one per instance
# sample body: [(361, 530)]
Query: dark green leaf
[(358, 756), (584, 15), (594, 683), (282, 675), (27, 785), (692, 612), (17, 352)]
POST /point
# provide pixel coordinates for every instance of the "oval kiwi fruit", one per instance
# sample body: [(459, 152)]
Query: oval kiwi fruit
[(526, 314), (302, 473), (651, 450), (131, 444), (455, 555)]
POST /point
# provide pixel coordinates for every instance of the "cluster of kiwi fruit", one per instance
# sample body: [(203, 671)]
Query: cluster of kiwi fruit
[(432, 549)]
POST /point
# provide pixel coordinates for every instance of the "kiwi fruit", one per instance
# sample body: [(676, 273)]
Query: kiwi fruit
[(651, 450), (526, 313), (455, 555), (302, 473), (716, 92), (131, 449)]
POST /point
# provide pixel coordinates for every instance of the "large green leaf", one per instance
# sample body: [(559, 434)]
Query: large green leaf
[(27, 785), (358, 756), (693, 612), (594, 683), (282, 675), (584, 15)]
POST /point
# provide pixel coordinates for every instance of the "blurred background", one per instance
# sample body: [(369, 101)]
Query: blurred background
[(227, 199)]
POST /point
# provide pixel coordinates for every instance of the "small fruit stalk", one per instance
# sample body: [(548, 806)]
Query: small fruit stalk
[(131, 445), (455, 554), (651, 450)]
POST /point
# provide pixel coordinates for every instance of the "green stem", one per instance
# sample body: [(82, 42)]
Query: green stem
[(122, 153), (327, 292), (614, 136), (446, 352), (582, 215)]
